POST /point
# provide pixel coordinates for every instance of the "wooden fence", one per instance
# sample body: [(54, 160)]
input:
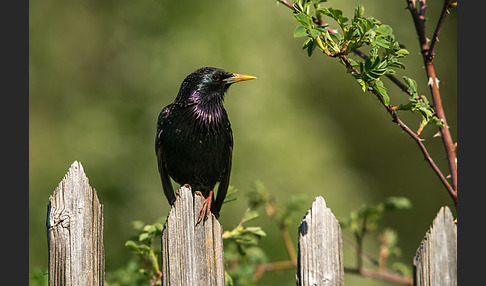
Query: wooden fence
[(192, 254)]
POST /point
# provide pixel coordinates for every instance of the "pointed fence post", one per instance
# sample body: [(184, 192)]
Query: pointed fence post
[(75, 232), (320, 259), (436, 260), (191, 254)]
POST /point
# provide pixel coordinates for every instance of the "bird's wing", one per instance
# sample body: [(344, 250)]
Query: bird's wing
[(164, 176), (223, 185)]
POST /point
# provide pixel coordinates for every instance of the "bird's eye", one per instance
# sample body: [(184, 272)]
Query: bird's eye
[(216, 77)]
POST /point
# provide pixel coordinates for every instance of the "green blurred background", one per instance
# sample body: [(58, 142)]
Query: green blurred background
[(101, 71)]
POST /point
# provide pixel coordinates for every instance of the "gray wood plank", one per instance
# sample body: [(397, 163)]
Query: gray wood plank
[(75, 232), (192, 254)]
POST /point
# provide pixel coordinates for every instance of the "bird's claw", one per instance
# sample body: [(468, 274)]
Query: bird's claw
[(206, 208)]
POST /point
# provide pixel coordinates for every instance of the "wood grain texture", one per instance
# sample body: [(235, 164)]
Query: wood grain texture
[(435, 262), (320, 259), (192, 254), (75, 232)]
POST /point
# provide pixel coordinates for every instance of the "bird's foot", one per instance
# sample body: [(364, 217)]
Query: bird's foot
[(206, 209)]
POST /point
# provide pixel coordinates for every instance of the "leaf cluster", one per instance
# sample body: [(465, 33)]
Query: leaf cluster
[(283, 215), (419, 103), (143, 247), (241, 250), (242, 253), (365, 219), (245, 236), (385, 52)]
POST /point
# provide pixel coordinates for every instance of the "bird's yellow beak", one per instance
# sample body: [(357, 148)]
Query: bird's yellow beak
[(239, 77)]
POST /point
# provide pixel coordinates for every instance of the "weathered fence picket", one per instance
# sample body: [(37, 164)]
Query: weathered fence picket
[(192, 253), (436, 260), (320, 259), (75, 232)]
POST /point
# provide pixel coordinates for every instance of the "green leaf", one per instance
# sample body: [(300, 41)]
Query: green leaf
[(249, 215), (138, 225), (311, 47), (368, 64), (359, 12), (304, 19), (362, 83), (230, 196), (143, 236), (324, 11), (385, 30), (314, 33), (381, 42), (407, 106), (131, 245), (256, 230), (381, 90), (397, 203), (149, 228), (412, 85), (401, 53), (300, 31), (437, 121), (228, 280)]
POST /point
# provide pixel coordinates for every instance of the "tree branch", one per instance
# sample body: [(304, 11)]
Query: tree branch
[(418, 16), (392, 111), (435, 37), (428, 57)]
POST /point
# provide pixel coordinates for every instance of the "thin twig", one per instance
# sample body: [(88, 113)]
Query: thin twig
[(277, 265), (419, 26), (385, 276), (271, 210), (435, 37), (355, 247), (156, 278)]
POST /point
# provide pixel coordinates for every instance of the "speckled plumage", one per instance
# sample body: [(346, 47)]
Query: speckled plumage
[(194, 141)]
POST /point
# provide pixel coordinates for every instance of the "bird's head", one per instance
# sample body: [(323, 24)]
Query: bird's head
[(208, 84)]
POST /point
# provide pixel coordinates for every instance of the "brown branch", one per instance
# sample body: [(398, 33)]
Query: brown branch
[(428, 58), (277, 265), (156, 278), (419, 26), (289, 245), (418, 140), (271, 210), (418, 16), (287, 3), (385, 276), (355, 248), (435, 37)]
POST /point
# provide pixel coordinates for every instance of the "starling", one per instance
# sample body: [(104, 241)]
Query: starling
[(194, 141)]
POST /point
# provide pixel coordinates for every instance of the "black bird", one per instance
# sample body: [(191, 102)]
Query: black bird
[(194, 141)]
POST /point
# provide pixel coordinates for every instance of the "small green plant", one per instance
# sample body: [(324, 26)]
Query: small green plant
[(144, 246), (246, 261), (365, 220)]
